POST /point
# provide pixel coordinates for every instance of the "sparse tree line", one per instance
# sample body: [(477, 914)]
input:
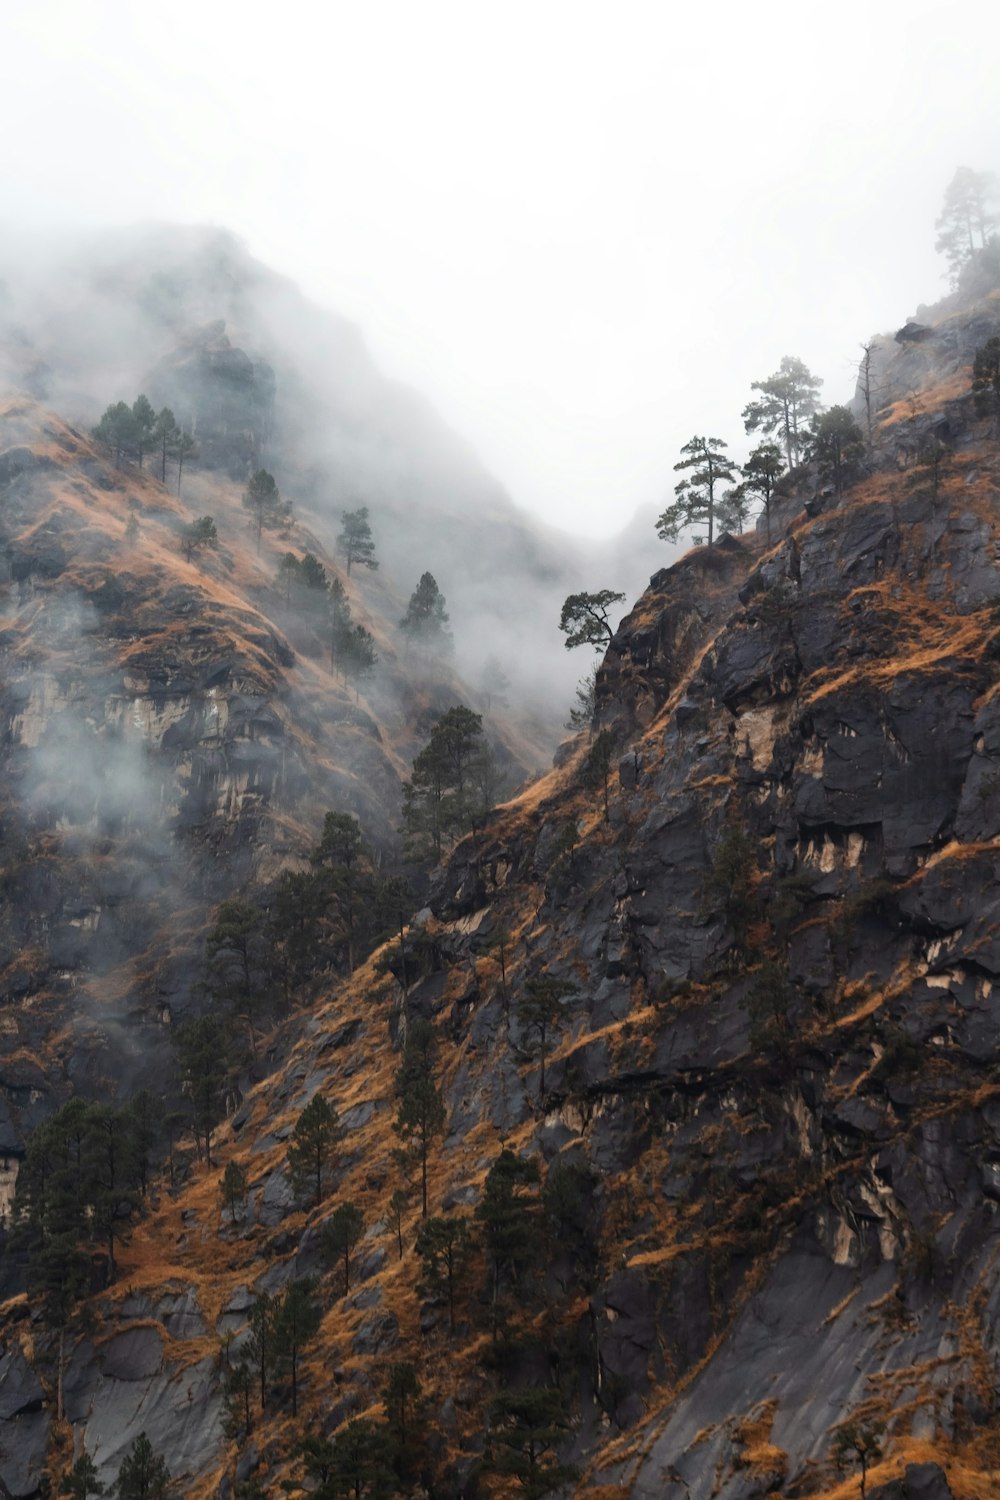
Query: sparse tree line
[(138, 432), (719, 495)]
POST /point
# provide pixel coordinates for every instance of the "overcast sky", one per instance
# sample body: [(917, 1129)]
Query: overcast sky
[(582, 229)]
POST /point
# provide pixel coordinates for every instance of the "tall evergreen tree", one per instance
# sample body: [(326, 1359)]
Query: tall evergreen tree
[(540, 1012), (966, 222), (788, 398), (317, 1133), (143, 1474), (761, 473), (426, 619), (440, 801), (339, 1236), (509, 1213), (262, 499), (836, 445), (203, 1056), (238, 963), (355, 539), (143, 426), (296, 1323), (443, 1246), (527, 1428), (165, 435), (697, 496)]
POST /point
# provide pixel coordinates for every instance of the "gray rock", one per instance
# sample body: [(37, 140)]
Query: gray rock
[(135, 1354), (377, 1334)]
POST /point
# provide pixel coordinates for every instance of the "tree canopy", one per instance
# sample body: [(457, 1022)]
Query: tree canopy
[(426, 619), (355, 539), (584, 619), (966, 222), (696, 497), (788, 398)]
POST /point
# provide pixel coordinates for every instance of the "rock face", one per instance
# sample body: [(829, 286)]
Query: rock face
[(767, 1116), (795, 895)]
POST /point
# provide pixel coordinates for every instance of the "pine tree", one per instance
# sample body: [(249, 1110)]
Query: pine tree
[(426, 619), (345, 860), (260, 1343), (317, 1133), (233, 1190), (143, 426), (584, 619), (510, 1216), (165, 435), (203, 1055), (296, 1323), (339, 1236), (81, 1482), (696, 500), (401, 1403), (262, 499), (540, 1012), (182, 446), (117, 429), (198, 534), (237, 963), (440, 800), (143, 1474), (966, 223), (527, 1428), (761, 473), (356, 540), (443, 1246), (788, 400), (421, 1114), (836, 445)]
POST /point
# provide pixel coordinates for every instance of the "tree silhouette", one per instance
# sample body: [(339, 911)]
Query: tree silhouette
[(788, 399), (696, 500), (584, 619), (355, 539)]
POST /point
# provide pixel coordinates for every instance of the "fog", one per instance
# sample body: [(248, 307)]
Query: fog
[(580, 230)]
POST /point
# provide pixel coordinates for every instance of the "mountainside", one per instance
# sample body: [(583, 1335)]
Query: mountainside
[(264, 377), (712, 1015)]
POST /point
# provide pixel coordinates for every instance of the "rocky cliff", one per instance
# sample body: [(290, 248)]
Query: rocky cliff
[(769, 1125)]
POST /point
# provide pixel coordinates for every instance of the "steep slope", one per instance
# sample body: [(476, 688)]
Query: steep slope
[(769, 1128), (172, 735), (262, 375)]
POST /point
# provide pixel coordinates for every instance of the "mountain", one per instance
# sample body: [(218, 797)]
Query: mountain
[(263, 376), (709, 1008)]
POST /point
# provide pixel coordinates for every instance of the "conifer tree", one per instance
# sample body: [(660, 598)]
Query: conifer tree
[(426, 619), (317, 1133), (81, 1482), (261, 1341), (237, 956), (165, 435), (836, 445), (296, 1323), (421, 1114), (143, 426), (356, 540), (443, 1246), (510, 1217), (182, 446), (339, 1236), (117, 429), (233, 1190), (198, 534), (697, 499), (440, 801), (761, 473), (540, 1012), (143, 1474), (203, 1055), (584, 619), (527, 1428), (262, 499), (788, 399), (966, 222)]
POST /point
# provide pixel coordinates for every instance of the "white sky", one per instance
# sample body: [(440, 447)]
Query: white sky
[(580, 228)]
